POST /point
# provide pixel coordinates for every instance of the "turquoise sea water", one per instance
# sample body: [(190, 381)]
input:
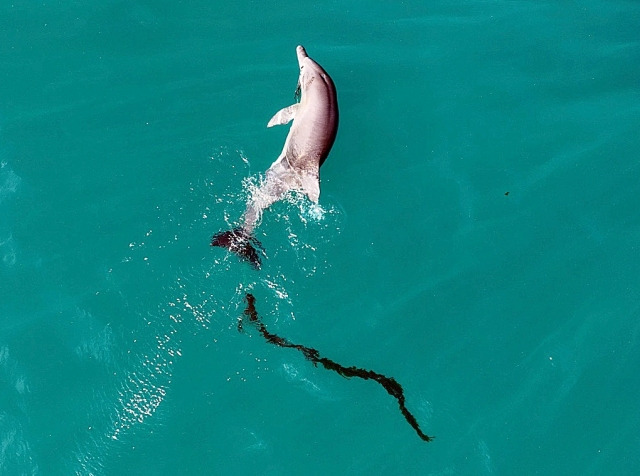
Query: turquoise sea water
[(477, 238)]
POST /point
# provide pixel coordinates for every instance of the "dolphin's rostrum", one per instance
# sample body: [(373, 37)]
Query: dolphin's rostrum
[(314, 128)]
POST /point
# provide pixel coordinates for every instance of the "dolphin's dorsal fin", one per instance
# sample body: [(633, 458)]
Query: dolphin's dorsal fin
[(311, 186), (284, 115)]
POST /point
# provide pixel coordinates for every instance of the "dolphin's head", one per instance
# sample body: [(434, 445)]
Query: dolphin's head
[(302, 54), (308, 70)]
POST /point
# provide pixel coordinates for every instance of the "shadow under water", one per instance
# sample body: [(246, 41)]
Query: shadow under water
[(392, 387)]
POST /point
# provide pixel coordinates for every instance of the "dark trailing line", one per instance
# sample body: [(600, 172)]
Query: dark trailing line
[(392, 387)]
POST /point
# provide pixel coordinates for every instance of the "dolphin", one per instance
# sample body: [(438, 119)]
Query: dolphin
[(310, 138)]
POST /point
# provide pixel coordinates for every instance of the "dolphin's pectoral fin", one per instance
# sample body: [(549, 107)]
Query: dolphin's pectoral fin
[(284, 115), (311, 186)]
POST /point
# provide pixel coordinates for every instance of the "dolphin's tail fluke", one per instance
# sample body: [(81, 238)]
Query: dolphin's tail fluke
[(242, 244)]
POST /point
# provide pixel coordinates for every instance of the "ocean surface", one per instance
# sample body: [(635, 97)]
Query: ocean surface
[(477, 239)]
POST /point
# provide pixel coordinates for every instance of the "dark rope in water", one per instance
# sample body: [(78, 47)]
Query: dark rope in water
[(392, 387)]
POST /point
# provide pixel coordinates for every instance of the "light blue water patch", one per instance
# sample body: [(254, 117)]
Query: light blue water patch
[(476, 239)]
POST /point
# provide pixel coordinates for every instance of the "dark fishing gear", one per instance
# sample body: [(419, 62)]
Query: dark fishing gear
[(392, 387), (241, 243)]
